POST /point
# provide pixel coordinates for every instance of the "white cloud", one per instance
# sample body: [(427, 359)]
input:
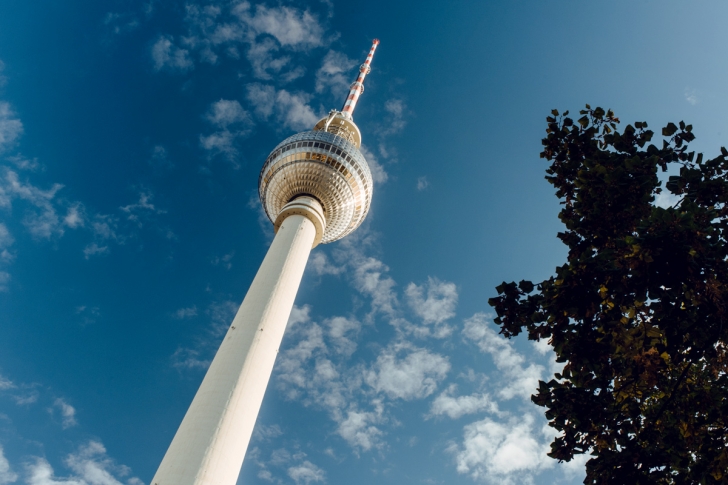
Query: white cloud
[(10, 126), (221, 143), (266, 31), (359, 430), (294, 111), (300, 470), (379, 175), (166, 55), (6, 473), (199, 355), (414, 375), (422, 183), (502, 453), (456, 407), (520, 380), (299, 314), (68, 413), (291, 27), (434, 301), (160, 158), (233, 123), (370, 279), (306, 473), (6, 240), (226, 112), (291, 364), (104, 227), (43, 223), (94, 249), (263, 98), (224, 260), (90, 466), (221, 315), (75, 216), (342, 331), (320, 264), (291, 109), (89, 314), (24, 163), (335, 74), (666, 199), (188, 312), (4, 280), (143, 205), (6, 383), (262, 57), (266, 433), (395, 121), (119, 23), (190, 359), (691, 96)]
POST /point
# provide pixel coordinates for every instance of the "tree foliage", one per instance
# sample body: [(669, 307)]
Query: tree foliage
[(637, 314)]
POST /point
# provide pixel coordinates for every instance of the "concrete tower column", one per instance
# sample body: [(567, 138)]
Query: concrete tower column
[(210, 444)]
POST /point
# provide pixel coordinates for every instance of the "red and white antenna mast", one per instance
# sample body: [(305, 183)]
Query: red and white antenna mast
[(358, 87)]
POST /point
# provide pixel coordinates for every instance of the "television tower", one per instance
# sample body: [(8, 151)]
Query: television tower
[(316, 187)]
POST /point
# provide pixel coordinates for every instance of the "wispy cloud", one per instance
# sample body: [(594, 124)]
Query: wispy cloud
[(232, 123), (160, 158), (457, 406), (396, 118), (379, 174), (6, 473), (66, 411), (502, 452), (167, 56), (435, 303), (199, 354), (335, 74), (88, 314), (405, 372), (225, 260), (90, 465), (270, 36), (521, 376), (187, 312), (306, 473), (290, 109), (422, 183), (294, 465), (10, 127), (119, 23), (691, 96)]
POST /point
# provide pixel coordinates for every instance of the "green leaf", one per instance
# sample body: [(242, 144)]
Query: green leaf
[(669, 130), (584, 121), (555, 112), (526, 286)]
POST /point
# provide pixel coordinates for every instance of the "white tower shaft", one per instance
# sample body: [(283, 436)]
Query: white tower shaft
[(210, 444)]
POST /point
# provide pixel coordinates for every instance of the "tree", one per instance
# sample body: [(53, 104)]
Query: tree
[(637, 314)]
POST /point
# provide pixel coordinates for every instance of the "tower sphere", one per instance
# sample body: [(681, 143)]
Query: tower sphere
[(324, 164)]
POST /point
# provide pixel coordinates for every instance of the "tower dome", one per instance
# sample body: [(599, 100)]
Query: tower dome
[(324, 164)]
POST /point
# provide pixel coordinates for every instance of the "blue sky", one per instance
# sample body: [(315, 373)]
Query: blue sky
[(131, 137)]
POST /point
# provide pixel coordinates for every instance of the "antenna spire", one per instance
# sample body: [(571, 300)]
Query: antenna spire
[(357, 88)]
